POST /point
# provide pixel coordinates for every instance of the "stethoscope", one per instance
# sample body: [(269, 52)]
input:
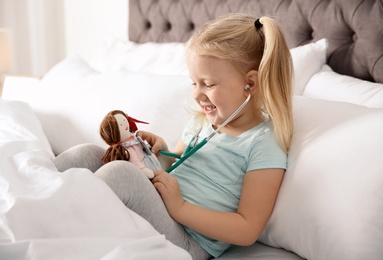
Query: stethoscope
[(194, 147)]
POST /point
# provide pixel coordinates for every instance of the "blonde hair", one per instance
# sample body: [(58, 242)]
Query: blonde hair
[(235, 38)]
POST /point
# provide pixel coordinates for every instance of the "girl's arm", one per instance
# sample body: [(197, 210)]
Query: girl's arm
[(259, 193)]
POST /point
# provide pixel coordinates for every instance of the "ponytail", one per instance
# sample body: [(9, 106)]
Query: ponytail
[(117, 152), (275, 81)]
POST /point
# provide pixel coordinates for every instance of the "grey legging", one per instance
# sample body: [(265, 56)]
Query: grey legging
[(134, 189)]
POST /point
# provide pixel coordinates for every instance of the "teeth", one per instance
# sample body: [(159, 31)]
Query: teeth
[(209, 108)]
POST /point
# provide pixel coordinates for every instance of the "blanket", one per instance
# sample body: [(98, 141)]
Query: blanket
[(46, 214)]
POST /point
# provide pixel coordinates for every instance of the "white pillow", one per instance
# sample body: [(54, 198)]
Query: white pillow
[(329, 85), (19, 124), (307, 60), (330, 205), (71, 68), (156, 58), (72, 108), (168, 58)]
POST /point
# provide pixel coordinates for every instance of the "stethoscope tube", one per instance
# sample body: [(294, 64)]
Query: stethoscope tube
[(190, 151), (187, 155)]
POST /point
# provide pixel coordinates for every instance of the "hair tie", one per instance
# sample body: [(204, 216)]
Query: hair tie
[(115, 145), (129, 138), (258, 24)]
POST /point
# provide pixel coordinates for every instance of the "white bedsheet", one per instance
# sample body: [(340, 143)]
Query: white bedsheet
[(45, 214)]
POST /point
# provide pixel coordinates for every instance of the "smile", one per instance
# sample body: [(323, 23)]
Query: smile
[(209, 109)]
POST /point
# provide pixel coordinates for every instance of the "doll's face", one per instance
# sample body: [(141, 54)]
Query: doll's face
[(123, 126)]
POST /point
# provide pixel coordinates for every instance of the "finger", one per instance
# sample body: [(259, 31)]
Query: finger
[(156, 147), (149, 137), (159, 172), (155, 179), (158, 185), (139, 133), (161, 188), (160, 177)]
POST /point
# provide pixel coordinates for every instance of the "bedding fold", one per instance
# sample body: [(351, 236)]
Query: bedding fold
[(47, 214)]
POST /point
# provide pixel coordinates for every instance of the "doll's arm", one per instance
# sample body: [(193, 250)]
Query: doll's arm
[(135, 156)]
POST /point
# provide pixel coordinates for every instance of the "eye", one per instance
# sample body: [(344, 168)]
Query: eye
[(209, 85)]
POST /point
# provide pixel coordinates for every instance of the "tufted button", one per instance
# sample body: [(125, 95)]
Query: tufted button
[(168, 26), (148, 25), (191, 26), (354, 37)]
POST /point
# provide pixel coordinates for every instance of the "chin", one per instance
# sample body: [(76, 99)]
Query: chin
[(214, 121)]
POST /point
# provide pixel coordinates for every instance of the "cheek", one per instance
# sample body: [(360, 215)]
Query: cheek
[(223, 105), (228, 103)]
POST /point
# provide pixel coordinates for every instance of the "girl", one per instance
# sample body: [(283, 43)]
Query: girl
[(225, 193)]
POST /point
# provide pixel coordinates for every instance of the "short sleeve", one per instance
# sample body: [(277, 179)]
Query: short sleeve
[(266, 153)]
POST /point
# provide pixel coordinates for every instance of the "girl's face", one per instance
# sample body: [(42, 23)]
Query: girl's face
[(218, 88)]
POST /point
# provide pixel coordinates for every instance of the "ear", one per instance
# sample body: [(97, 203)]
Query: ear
[(252, 80)]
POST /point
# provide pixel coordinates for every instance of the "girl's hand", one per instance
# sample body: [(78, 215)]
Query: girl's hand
[(170, 192), (155, 141)]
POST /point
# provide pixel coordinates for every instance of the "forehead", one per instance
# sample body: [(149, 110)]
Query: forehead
[(195, 58), (208, 66), (119, 117)]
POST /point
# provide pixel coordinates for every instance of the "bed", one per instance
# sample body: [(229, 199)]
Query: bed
[(330, 205)]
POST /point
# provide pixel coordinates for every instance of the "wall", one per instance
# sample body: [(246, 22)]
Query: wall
[(37, 33), (46, 31), (88, 22)]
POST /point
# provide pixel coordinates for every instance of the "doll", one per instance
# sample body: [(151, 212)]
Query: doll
[(118, 130)]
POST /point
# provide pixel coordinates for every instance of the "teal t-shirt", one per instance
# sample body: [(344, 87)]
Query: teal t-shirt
[(212, 177)]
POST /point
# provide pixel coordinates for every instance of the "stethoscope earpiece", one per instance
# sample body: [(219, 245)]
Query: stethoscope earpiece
[(247, 87)]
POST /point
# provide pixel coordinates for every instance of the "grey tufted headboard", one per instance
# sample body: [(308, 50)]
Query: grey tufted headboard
[(354, 28)]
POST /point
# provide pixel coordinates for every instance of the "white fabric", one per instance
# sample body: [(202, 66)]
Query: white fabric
[(330, 205), (258, 251), (156, 58), (45, 214), (137, 78), (329, 85), (79, 98), (168, 58), (307, 60)]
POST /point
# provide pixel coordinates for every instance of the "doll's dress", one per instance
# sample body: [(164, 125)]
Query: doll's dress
[(139, 156)]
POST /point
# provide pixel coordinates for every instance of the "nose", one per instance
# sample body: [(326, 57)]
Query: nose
[(198, 93)]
